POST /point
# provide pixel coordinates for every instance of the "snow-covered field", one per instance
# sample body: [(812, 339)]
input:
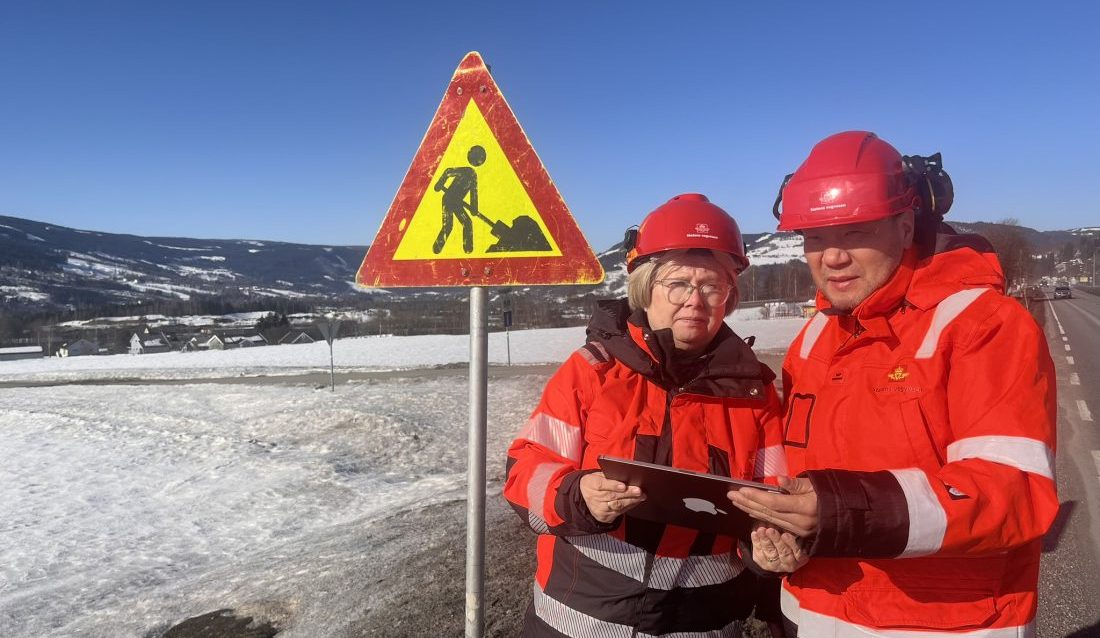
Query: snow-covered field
[(366, 353), (127, 506)]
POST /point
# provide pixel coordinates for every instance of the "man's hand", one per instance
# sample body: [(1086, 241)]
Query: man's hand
[(608, 499), (795, 512)]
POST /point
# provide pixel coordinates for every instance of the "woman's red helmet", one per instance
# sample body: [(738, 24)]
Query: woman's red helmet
[(848, 178), (684, 222)]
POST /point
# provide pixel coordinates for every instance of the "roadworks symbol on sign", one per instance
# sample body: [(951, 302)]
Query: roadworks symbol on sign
[(477, 207)]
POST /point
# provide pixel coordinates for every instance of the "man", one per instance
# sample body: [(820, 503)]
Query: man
[(919, 414), (463, 181)]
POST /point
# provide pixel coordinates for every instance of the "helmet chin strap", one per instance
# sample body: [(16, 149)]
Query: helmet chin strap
[(779, 196)]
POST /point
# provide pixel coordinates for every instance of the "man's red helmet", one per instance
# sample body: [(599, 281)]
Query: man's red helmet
[(848, 178), (684, 222)]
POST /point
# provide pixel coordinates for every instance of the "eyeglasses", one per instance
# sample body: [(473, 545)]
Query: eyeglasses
[(679, 291)]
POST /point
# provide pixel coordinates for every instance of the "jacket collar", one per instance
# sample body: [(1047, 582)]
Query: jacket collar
[(727, 368)]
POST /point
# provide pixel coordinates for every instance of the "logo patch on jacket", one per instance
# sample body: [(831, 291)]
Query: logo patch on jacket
[(955, 493), (897, 381)]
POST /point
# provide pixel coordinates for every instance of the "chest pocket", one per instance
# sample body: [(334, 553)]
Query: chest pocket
[(796, 426), (894, 413), (620, 412), (929, 454)]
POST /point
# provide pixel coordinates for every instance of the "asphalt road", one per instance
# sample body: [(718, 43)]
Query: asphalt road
[(1069, 588)]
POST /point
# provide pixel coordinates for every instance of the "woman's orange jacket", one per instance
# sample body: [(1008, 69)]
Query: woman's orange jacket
[(617, 396)]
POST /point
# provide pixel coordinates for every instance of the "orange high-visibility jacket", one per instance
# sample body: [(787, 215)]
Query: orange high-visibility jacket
[(926, 421), (616, 396)]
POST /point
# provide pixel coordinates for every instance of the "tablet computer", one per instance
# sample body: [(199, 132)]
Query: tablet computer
[(682, 497)]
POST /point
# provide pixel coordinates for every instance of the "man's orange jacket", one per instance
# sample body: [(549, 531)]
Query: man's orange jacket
[(925, 420)]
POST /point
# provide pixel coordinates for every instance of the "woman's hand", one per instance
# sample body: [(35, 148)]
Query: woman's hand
[(606, 498), (776, 551)]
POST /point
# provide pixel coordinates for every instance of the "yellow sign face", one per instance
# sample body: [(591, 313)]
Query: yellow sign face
[(476, 205)]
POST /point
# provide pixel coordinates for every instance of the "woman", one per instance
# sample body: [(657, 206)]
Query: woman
[(662, 379)]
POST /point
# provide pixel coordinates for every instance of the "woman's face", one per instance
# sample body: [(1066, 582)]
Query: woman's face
[(695, 320)]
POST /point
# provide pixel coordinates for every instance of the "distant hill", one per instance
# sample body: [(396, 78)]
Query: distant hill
[(1041, 241), (46, 266)]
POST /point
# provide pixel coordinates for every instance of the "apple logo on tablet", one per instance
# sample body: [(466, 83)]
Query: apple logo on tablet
[(702, 505)]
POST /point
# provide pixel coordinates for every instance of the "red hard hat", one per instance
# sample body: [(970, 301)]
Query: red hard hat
[(848, 178), (684, 222)]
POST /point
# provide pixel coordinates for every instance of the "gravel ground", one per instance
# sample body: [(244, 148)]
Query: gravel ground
[(422, 595)]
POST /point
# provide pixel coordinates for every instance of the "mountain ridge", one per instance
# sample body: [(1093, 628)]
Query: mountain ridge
[(47, 266)]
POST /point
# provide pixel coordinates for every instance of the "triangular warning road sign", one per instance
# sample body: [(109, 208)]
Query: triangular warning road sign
[(477, 207)]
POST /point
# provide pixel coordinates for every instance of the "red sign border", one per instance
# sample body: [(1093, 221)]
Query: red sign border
[(577, 263)]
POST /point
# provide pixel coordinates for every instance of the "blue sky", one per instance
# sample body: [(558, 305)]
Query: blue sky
[(296, 121)]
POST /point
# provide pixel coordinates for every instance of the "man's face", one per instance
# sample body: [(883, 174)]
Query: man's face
[(695, 321), (851, 261)]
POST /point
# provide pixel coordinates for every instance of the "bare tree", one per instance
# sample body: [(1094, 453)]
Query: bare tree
[(1013, 250)]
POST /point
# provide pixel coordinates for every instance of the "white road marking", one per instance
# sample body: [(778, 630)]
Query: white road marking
[(1069, 360), (1067, 348), (1056, 319), (1096, 459), (1083, 408), (1074, 379), (1065, 338)]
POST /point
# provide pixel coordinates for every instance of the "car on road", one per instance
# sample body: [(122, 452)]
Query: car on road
[(1063, 292)]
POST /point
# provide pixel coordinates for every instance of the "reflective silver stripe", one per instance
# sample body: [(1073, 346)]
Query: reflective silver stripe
[(554, 434), (811, 333), (574, 623), (536, 494), (788, 604), (667, 572), (1022, 453), (694, 571), (927, 518), (591, 358), (770, 461), (612, 553), (813, 624), (946, 311), (577, 624), (732, 630), (537, 524)]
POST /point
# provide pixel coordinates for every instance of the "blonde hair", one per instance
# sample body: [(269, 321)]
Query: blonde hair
[(639, 284)]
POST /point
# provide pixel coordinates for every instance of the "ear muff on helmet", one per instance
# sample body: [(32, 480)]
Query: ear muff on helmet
[(630, 238), (933, 184)]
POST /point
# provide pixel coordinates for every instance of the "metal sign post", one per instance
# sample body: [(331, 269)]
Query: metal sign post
[(507, 321), (475, 475), (329, 330)]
